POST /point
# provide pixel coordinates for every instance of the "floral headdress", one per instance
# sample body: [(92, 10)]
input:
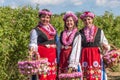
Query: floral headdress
[(70, 14), (45, 12), (86, 14)]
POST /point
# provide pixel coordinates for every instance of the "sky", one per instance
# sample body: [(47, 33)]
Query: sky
[(98, 7)]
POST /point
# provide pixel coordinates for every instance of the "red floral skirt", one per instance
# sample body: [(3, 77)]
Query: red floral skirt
[(49, 53), (91, 63), (64, 58)]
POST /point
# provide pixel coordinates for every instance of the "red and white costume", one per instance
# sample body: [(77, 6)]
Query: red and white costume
[(87, 52), (44, 43), (66, 40)]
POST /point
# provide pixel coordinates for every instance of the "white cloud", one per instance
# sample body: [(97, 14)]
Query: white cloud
[(101, 2), (2, 1), (77, 2), (56, 2), (108, 3), (14, 5), (114, 3), (47, 2)]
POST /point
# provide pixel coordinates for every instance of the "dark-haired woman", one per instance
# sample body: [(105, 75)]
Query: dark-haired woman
[(43, 40), (66, 38), (90, 56)]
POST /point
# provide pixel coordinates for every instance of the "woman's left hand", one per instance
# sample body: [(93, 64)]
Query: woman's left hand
[(105, 47)]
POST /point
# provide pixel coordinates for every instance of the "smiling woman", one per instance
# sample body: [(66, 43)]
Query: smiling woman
[(66, 38), (43, 41), (90, 56)]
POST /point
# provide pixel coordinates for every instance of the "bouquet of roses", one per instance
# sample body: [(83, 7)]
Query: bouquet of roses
[(28, 67), (33, 65), (43, 67), (70, 75), (112, 58)]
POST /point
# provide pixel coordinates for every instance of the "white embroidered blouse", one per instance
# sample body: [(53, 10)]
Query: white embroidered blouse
[(76, 50)]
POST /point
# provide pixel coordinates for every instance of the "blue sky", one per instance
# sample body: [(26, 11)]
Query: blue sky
[(58, 6)]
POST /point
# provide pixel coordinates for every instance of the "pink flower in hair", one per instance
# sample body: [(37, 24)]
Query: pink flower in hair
[(70, 14), (87, 14), (45, 12)]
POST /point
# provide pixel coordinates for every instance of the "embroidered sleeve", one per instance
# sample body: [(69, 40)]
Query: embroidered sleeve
[(104, 41), (75, 54), (33, 40)]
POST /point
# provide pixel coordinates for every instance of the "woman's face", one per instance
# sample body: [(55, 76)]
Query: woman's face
[(88, 21), (45, 19), (70, 23)]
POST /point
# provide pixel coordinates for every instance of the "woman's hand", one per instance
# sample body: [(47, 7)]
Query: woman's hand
[(33, 54), (105, 47), (31, 48), (71, 70)]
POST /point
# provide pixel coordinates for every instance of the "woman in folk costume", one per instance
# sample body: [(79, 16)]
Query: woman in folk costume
[(66, 38), (90, 57), (43, 40)]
